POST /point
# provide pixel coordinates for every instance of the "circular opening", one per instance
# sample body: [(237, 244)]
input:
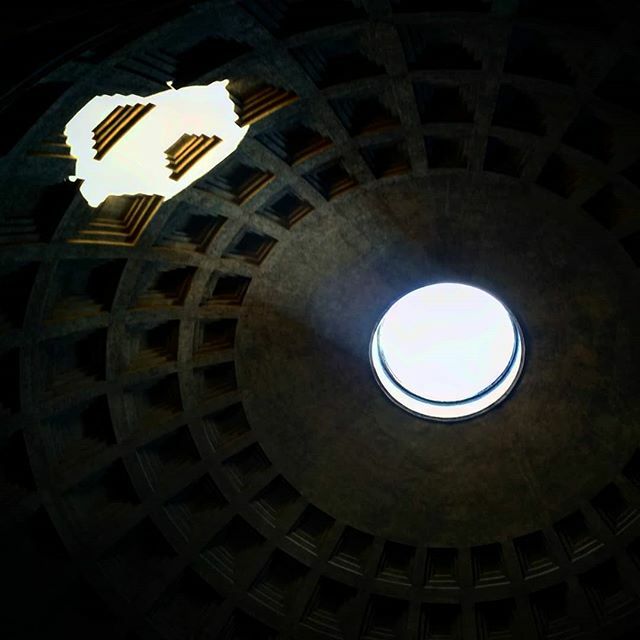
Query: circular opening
[(447, 351)]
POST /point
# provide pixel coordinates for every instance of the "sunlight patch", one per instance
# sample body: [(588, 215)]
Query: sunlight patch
[(158, 145)]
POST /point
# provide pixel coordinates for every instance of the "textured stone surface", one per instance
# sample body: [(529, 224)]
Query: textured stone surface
[(310, 394)]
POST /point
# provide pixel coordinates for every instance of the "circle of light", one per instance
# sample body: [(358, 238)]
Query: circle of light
[(447, 351)]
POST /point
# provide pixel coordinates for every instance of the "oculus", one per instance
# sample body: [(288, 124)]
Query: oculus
[(447, 351)]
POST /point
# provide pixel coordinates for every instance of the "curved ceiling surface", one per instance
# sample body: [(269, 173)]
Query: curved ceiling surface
[(193, 442)]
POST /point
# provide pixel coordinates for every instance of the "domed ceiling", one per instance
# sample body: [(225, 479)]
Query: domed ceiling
[(193, 442)]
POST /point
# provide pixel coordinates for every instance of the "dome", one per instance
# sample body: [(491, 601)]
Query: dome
[(194, 444)]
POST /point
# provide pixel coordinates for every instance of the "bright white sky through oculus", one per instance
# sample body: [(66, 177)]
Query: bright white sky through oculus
[(447, 342), (447, 351)]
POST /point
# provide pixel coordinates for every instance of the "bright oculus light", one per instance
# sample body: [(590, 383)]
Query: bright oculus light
[(447, 351)]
